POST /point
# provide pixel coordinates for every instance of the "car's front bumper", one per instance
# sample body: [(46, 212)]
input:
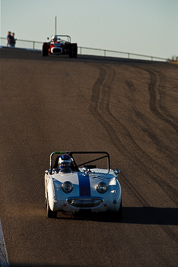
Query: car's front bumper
[(92, 204)]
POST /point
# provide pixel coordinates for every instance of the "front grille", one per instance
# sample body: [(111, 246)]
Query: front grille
[(85, 202), (57, 50)]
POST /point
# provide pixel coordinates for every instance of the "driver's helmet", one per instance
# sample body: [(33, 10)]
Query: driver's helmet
[(64, 162), (54, 38)]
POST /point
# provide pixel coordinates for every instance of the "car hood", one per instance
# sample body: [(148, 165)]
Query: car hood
[(93, 176), (85, 183)]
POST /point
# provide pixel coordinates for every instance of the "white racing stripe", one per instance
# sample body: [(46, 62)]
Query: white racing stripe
[(4, 262)]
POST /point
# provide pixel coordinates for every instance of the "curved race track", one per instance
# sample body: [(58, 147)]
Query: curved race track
[(127, 108)]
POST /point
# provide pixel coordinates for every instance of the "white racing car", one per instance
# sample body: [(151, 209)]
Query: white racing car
[(79, 188), (60, 45)]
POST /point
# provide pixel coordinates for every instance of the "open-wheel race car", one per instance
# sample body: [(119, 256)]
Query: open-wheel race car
[(75, 186), (60, 45)]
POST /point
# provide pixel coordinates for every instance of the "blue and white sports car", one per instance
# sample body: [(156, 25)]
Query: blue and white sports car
[(77, 188)]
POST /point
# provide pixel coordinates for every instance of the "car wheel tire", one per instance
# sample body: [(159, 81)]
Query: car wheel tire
[(44, 51), (50, 213), (73, 51)]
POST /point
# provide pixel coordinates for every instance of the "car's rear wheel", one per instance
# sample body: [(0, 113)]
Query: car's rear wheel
[(50, 213)]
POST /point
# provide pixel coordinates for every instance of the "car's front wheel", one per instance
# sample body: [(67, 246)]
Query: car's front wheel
[(50, 213), (73, 51), (44, 50)]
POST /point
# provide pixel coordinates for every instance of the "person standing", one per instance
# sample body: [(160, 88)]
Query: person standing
[(12, 40), (8, 38)]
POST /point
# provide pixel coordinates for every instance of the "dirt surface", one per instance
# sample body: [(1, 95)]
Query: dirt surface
[(125, 107)]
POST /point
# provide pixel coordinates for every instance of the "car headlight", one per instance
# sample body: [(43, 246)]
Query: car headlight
[(102, 187), (67, 187)]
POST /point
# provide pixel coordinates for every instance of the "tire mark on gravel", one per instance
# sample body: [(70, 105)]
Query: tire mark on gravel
[(144, 124), (156, 176), (162, 90), (99, 107), (156, 97), (101, 92)]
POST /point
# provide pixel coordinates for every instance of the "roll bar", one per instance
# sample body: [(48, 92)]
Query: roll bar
[(66, 36), (70, 153)]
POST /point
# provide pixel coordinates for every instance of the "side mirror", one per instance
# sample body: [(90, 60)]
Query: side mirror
[(117, 171), (85, 169)]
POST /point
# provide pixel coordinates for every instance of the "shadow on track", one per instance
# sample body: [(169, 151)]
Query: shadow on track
[(134, 215), (150, 215)]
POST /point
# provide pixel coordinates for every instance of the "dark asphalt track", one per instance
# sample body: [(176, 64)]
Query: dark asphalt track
[(127, 108)]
